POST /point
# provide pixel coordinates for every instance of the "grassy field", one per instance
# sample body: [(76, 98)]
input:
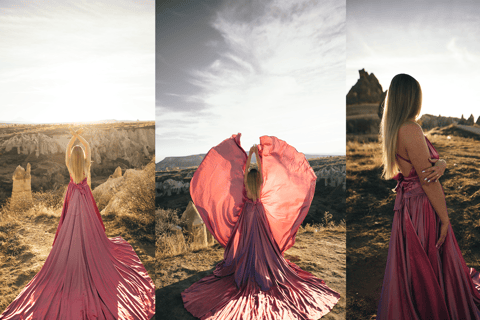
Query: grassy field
[(370, 213)]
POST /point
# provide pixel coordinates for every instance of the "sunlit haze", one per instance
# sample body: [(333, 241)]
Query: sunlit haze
[(77, 61), (435, 42)]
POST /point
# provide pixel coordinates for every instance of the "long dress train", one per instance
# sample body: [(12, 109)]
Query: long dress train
[(255, 281), (422, 282), (86, 275)]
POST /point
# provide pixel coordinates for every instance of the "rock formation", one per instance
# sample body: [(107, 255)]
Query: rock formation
[(196, 227), (22, 184), (470, 120), (333, 176), (37, 143), (132, 145), (478, 121), (429, 121), (169, 186), (117, 173), (109, 194), (170, 163), (366, 90), (381, 105)]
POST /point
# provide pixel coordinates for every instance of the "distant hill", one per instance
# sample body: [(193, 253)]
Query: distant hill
[(73, 123), (195, 160)]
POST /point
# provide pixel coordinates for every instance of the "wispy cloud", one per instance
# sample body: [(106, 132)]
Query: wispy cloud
[(279, 71)]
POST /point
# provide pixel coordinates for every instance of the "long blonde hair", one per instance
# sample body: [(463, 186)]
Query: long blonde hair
[(253, 182), (403, 103), (77, 164)]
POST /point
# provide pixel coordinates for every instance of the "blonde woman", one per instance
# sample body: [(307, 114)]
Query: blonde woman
[(86, 275), (426, 276), (255, 215), (253, 178)]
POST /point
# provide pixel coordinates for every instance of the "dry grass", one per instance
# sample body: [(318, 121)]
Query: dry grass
[(26, 235), (370, 213)]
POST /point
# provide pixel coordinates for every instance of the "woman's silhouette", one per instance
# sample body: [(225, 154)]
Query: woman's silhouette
[(255, 215), (426, 276), (86, 275)]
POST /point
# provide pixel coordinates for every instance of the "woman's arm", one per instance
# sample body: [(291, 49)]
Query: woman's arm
[(413, 140), (68, 152), (259, 163), (88, 153), (247, 165), (436, 171)]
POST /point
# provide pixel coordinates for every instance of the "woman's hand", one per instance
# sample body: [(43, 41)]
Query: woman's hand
[(79, 131), (443, 233), (253, 149), (436, 171), (72, 132)]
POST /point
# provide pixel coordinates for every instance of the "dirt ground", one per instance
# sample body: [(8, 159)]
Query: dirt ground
[(370, 201), (321, 253)]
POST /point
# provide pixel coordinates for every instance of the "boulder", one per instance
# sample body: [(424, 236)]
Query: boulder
[(22, 184), (196, 227)]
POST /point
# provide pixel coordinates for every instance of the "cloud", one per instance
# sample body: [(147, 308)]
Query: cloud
[(280, 70)]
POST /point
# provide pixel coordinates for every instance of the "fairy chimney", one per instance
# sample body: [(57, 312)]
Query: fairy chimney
[(22, 184), (195, 226), (117, 173)]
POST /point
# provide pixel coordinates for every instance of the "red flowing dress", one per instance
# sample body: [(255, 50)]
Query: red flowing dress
[(421, 281), (86, 275), (255, 281)]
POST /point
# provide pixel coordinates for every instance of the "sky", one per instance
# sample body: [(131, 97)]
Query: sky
[(252, 67), (77, 60), (436, 42)]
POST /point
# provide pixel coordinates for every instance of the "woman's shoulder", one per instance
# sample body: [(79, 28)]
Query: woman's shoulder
[(410, 130)]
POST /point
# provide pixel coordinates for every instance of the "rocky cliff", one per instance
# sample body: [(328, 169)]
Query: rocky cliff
[(126, 145), (366, 90)]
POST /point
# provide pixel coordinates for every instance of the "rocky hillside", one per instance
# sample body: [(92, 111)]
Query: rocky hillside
[(124, 144), (366, 90), (364, 107), (173, 189)]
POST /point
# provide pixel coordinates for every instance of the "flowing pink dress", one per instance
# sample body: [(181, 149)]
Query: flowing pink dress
[(255, 281), (86, 275), (422, 282)]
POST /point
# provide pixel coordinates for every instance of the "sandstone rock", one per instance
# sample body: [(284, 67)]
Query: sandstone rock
[(332, 176), (22, 184), (117, 173), (478, 121), (366, 90), (470, 120), (196, 226), (108, 195), (170, 186), (381, 105), (38, 143), (429, 121)]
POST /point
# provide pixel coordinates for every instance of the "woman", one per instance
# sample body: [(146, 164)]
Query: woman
[(426, 276), (86, 275), (255, 215)]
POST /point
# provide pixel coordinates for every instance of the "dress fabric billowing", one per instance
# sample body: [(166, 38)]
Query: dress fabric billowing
[(86, 275), (255, 281), (422, 282)]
